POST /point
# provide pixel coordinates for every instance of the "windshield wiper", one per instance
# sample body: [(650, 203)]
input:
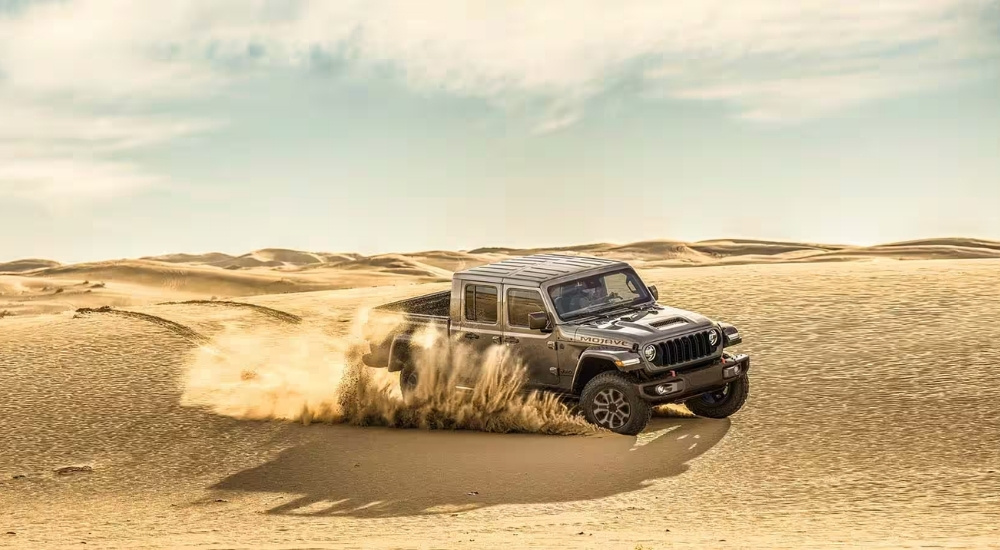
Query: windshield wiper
[(594, 312), (587, 316), (609, 313)]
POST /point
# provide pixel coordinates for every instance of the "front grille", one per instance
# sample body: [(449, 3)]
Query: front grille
[(683, 349)]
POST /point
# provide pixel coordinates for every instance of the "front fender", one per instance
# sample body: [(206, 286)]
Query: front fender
[(730, 335), (593, 361), (624, 359)]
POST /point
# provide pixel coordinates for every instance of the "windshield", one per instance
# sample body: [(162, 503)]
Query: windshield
[(598, 293)]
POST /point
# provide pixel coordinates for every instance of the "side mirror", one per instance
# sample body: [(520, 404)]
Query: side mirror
[(654, 292), (538, 320)]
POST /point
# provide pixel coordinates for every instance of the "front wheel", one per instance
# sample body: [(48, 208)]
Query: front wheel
[(612, 401), (722, 402)]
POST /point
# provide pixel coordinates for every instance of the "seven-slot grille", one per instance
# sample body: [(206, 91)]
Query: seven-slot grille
[(685, 348)]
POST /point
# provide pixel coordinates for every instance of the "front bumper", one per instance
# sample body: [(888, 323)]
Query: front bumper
[(681, 386)]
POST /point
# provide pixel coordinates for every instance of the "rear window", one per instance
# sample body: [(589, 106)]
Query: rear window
[(481, 304)]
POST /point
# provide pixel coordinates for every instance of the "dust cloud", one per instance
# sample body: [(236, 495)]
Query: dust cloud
[(305, 375)]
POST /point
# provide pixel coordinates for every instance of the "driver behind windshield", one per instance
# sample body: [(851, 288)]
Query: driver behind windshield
[(598, 292), (585, 293)]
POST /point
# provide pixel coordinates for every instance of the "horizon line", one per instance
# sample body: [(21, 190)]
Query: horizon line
[(926, 241)]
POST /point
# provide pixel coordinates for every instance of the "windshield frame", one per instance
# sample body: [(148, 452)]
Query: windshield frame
[(645, 296)]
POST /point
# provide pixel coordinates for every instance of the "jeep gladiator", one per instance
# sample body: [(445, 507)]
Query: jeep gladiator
[(587, 328)]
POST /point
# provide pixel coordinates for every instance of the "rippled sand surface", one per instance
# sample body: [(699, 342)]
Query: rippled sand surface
[(874, 421)]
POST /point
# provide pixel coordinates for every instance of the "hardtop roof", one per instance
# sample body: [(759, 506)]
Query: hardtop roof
[(537, 268)]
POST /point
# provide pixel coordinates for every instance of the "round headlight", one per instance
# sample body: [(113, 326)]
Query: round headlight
[(649, 352), (713, 338)]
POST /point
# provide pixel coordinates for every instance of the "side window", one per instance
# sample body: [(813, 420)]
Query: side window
[(481, 304), (521, 303)]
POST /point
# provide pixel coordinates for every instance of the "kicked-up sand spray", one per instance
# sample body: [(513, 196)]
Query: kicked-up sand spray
[(307, 376)]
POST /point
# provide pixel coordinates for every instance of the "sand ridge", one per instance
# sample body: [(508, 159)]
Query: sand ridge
[(45, 286)]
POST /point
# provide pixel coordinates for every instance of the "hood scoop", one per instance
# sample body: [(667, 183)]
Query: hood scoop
[(638, 322), (672, 322)]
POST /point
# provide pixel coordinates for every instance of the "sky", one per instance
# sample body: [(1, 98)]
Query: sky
[(133, 128)]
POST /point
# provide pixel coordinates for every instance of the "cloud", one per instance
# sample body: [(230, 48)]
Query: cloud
[(77, 82), (32, 123), (76, 66), (833, 55), (562, 49), (60, 181), (62, 155)]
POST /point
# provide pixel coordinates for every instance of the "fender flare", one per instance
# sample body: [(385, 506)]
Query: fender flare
[(609, 355), (730, 335), (400, 342)]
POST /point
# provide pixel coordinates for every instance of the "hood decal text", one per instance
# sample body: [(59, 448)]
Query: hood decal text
[(604, 341)]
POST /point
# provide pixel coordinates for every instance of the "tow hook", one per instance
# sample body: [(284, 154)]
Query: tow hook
[(731, 372)]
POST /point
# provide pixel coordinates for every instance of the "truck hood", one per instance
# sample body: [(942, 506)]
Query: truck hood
[(639, 327)]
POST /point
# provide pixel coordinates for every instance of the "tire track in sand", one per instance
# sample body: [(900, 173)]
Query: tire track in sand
[(276, 314), (172, 326)]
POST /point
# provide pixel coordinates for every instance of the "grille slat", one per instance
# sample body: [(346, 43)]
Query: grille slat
[(684, 349)]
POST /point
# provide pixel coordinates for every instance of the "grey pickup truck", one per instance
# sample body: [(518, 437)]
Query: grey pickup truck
[(586, 328)]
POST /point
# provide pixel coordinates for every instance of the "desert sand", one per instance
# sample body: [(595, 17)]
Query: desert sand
[(873, 418)]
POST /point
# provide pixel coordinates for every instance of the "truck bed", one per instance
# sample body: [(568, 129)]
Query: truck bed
[(427, 311), (437, 304)]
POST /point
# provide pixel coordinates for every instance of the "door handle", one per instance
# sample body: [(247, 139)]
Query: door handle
[(471, 336), (511, 340)]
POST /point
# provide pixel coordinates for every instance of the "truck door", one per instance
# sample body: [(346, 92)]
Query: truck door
[(480, 326), (536, 349)]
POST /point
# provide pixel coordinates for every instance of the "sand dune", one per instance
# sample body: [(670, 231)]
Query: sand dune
[(666, 253), (398, 264), (705, 252), (956, 242), (28, 264), (210, 258), (916, 252), (185, 279), (45, 286), (451, 261), (128, 282), (268, 257), (873, 423)]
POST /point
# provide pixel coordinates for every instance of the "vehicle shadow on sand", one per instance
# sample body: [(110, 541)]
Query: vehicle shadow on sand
[(378, 472)]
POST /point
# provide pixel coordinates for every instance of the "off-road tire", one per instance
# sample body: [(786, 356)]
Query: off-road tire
[(614, 387), (407, 381), (737, 392)]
